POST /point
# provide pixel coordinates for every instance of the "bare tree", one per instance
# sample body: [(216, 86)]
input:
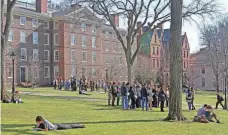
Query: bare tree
[(214, 37), (35, 71), (4, 37), (133, 11)]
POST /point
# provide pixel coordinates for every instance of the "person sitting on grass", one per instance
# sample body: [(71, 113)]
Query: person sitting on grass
[(209, 114), (15, 98), (201, 115), (45, 125)]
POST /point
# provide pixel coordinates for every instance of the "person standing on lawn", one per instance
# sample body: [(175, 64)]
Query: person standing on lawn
[(149, 97), (118, 86), (219, 101), (193, 98), (138, 95), (162, 97), (124, 96), (114, 93), (144, 97), (132, 96), (109, 93), (189, 99)]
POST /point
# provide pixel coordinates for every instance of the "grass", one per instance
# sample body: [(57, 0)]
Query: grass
[(99, 118)]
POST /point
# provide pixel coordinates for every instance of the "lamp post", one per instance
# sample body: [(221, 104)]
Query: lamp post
[(13, 56)]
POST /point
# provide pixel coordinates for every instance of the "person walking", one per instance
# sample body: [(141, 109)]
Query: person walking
[(114, 93), (189, 99), (219, 101), (150, 97), (124, 96), (162, 97), (144, 97)]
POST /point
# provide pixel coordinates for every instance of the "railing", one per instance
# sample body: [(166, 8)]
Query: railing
[(26, 5)]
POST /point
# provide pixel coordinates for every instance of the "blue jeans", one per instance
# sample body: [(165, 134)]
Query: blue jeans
[(189, 106), (144, 103), (124, 102)]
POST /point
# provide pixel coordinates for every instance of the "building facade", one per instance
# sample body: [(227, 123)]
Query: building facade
[(61, 44)]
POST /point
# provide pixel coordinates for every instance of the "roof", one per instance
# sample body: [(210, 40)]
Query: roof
[(147, 38), (166, 35)]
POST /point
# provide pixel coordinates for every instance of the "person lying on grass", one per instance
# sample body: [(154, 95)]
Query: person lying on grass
[(205, 115), (45, 125)]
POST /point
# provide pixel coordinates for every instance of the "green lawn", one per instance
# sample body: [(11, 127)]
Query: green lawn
[(100, 119)]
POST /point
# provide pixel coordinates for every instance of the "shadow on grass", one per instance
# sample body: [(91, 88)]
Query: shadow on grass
[(21, 131)]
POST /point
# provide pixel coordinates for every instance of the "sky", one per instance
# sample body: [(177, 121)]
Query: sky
[(190, 28)]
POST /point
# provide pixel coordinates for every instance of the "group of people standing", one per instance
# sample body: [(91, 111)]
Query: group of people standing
[(68, 84), (137, 95)]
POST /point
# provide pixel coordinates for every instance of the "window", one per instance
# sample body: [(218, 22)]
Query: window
[(56, 71), (56, 39), (83, 56), (153, 51), (94, 72), (157, 50), (23, 54), (34, 22), (35, 72), (46, 55), (157, 63), (22, 20), (184, 54), (83, 40), (56, 55), (10, 72), (46, 72), (203, 82), (10, 36), (94, 29), (73, 70), (187, 53), (73, 39), (35, 55), (106, 34), (94, 42), (46, 39), (155, 36), (83, 27), (106, 60), (121, 60), (153, 63), (94, 57), (107, 46), (22, 37), (46, 25), (35, 38), (56, 25), (203, 70), (9, 51), (83, 72), (72, 54), (184, 64)]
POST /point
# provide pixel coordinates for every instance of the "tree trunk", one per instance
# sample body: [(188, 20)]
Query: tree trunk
[(129, 72), (1, 48), (175, 100), (2, 70), (217, 83)]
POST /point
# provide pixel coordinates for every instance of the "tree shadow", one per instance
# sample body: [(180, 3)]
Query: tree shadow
[(22, 131), (4, 126)]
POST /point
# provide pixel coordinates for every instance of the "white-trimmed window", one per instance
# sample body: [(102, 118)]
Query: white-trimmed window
[(10, 36), (56, 39), (22, 20), (106, 34), (46, 25), (94, 42), (56, 25), (35, 37), (36, 72), (46, 55), (72, 54), (22, 37), (94, 57), (94, 73), (84, 56), (46, 72), (73, 39), (158, 63), (106, 60), (83, 27), (56, 55), (107, 46), (10, 72), (34, 22), (83, 40), (94, 28), (23, 54), (56, 71), (46, 39), (35, 55), (9, 51)]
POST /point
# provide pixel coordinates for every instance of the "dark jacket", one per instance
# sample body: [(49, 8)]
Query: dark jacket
[(131, 92), (114, 93), (162, 96), (219, 98), (123, 90), (144, 92)]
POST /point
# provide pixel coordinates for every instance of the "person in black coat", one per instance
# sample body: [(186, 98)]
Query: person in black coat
[(219, 101), (114, 93), (162, 97), (154, 102), (132, 96), (144, 97)]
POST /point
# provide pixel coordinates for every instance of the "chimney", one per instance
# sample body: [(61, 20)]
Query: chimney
[(41, 6), (115, 19), (160, 26), (140, 30)]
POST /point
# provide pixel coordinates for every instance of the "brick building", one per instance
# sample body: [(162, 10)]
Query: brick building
[(73, 42)]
